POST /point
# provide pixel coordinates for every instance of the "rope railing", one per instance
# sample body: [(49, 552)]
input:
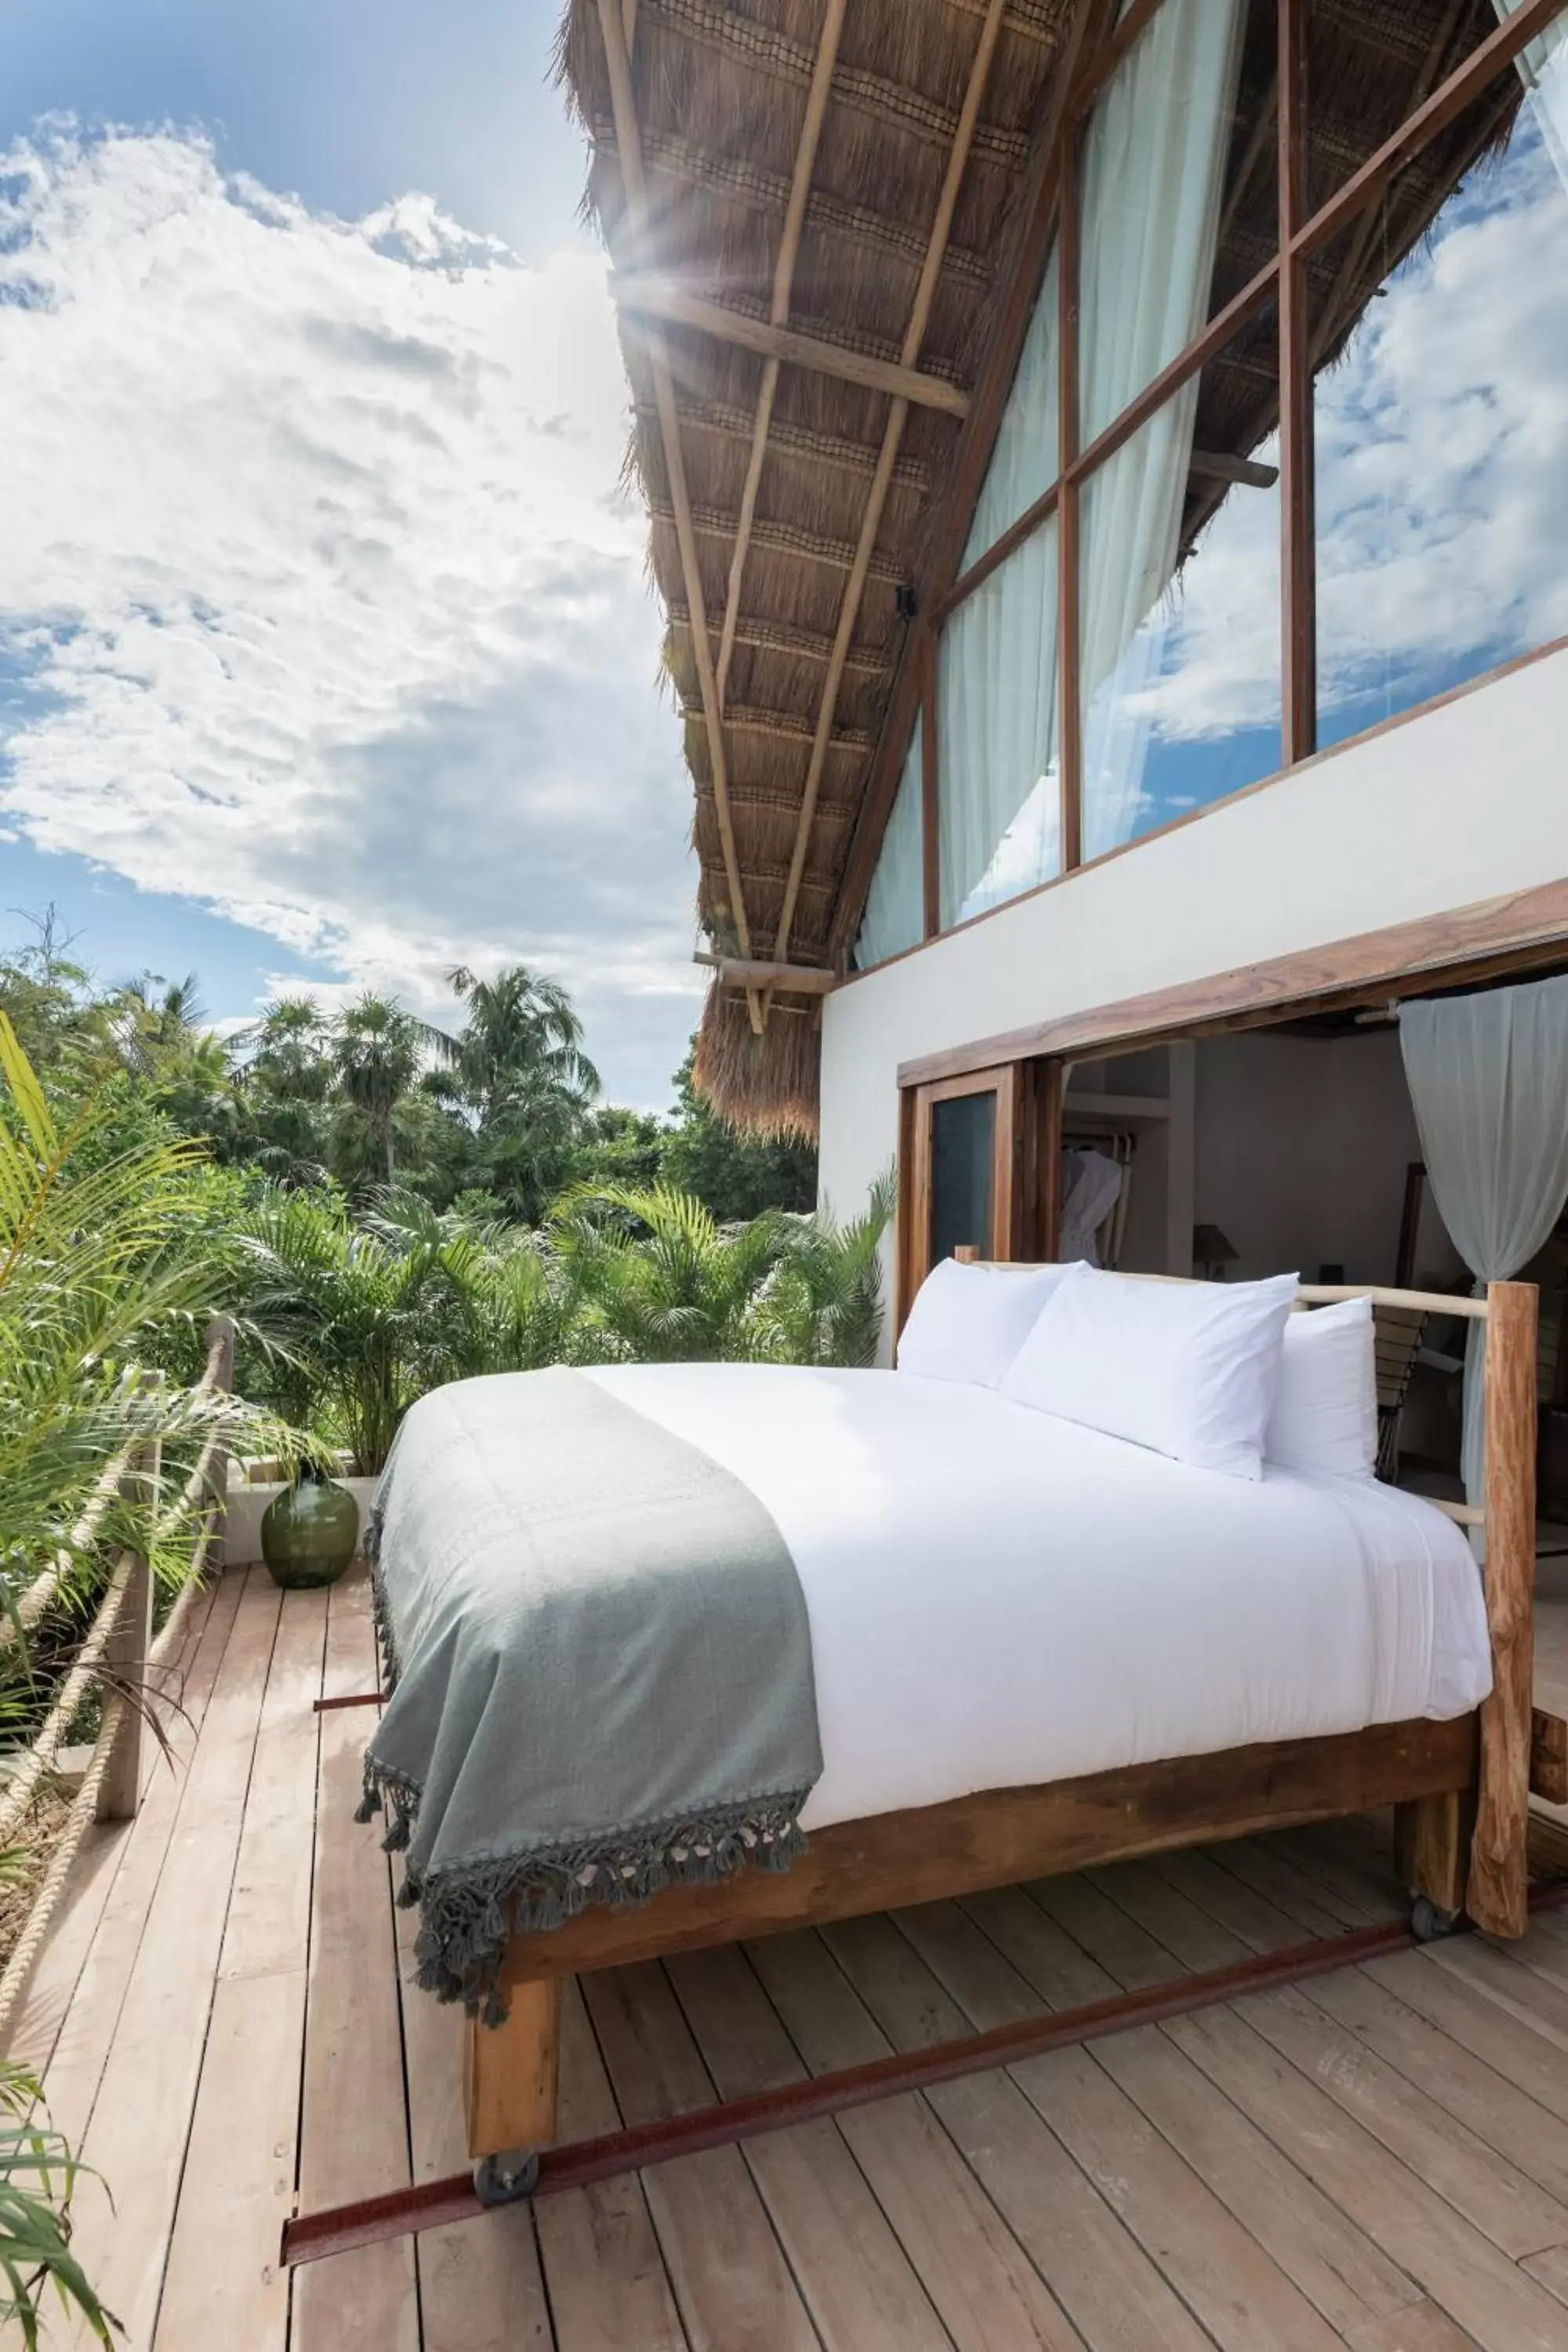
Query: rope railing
[(120, 1651)]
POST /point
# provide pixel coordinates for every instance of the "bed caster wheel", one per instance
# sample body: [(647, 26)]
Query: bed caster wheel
[(1428, 1923), (506, 2180)]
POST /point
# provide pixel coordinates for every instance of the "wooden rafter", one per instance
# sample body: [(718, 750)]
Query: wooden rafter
[(612, 25), (650, 295), (778, 312), (1023, 270), (914, 335)]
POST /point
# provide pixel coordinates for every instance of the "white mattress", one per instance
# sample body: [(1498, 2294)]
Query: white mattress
[(998, 1597)]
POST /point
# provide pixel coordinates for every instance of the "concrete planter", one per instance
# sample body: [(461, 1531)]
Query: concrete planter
[(248, 1499)]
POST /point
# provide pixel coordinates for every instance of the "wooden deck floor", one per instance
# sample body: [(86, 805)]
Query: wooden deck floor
[(1378, 2158)]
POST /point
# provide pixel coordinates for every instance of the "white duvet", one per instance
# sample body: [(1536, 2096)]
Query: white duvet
[(998, 1597)]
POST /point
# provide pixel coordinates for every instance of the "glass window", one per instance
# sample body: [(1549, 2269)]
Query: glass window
[(1027, 454), (1152, 192), (895, 904), (962, 1134), (998, 798), (1440, 415), (1179, 610)]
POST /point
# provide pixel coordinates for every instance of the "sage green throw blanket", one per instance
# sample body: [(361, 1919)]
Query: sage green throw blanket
[(599, 1664)]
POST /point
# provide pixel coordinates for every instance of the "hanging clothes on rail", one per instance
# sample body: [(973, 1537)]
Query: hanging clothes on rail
[(1091, 1185)]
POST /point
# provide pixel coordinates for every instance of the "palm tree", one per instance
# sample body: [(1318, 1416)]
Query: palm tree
[(519, 1029), (377, 1052)]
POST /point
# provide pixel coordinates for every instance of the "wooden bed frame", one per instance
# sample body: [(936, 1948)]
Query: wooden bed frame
[(1460, 1792)]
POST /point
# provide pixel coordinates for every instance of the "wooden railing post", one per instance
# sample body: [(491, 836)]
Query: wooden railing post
[(220, 1343), (126, 1654), (1498, 1884)]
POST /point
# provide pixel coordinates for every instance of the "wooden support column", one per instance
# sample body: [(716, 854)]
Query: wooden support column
[(511, 2071), (1496, 1899), (220, 1339), (125, 1658), (1298, 567)]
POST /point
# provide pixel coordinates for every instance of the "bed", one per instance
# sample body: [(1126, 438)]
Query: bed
[(1035, 1646)]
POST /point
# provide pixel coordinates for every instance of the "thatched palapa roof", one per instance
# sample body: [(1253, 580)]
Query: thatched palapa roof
[(819, 214)]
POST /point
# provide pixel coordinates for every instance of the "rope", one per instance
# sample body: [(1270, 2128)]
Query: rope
[(73, 1691), (40, 1919)]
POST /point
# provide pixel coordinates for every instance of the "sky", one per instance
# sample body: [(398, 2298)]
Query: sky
[(327, 655)]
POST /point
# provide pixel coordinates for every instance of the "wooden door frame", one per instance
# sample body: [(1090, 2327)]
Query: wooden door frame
[(1013, 1164)]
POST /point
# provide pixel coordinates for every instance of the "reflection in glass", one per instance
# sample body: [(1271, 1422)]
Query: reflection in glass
[(1441, 430), (1152, 174), (1178, 603), (998, 818), (1026, 453), (962, 1129), (895, 904)]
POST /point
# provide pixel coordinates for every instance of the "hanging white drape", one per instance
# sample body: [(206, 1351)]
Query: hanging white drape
[(1153, 174), (996, 726), (895, 904), (1026, 456), (1544, 70), (1489, 1079)]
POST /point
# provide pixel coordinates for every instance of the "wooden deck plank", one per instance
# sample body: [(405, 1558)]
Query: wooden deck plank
[(1423, 2328), (859, 2286), (1475, 2180), (1456, 2267), (608, 2289), (52, 1985), (1332, 2261), (1239, 2294), (355, 2124), (1331, 1861), (1111, 2290), (480, 2285), (136, 2140), (1532, 1999), (1197, 1939), (967, 1964), (1523, 2131), (224, 2283), (1124, 1950), (1261, 1924), (87, 2032), (731, 2282), (1551, 2267), (1479, 2024), (1059, 1969), (1259, 1864)]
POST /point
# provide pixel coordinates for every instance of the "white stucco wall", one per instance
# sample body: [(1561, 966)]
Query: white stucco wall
[(1462, 803)]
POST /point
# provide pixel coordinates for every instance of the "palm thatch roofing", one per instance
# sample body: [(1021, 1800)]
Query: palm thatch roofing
[(861, 173)]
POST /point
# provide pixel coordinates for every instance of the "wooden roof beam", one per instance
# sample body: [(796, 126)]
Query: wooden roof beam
[(653, 296), (1036, 215), (804, 979), (612, 25), (783, 278), (914, 335)]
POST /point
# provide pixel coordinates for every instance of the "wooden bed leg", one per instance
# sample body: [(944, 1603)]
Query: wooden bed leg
[(1498, 1877), (1432, 1846), (511, 2072)]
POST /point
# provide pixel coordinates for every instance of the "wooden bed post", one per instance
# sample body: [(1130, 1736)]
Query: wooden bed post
[(511, 2071), (1495, 1898)]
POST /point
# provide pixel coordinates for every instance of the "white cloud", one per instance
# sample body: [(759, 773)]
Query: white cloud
[(1442, 459), (333, 614)]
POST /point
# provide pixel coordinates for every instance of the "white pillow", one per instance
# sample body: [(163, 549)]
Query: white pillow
[(968, 1322), (1188, 1369), (1325, 1405)]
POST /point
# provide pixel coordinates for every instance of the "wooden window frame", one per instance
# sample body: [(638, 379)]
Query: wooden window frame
[(1025, 1166), (1095, 50)]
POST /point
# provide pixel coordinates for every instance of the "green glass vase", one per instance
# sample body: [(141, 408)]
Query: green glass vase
[(309, 1532)]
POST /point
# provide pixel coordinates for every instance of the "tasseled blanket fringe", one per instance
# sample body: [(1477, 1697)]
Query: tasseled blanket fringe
[(469, 1914)]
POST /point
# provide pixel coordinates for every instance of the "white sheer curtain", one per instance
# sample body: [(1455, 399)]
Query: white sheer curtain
[(1153, 173), (895, 904), (996, 724), (1027, 457), (1544, 70), (1489, 1079)]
